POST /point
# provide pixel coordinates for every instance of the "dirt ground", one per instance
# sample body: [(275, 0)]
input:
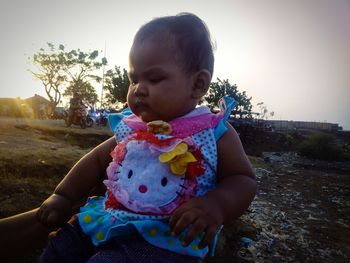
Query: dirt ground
[(300, 214)]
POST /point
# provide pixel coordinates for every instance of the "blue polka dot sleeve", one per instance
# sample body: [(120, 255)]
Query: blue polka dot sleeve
[(226, 105), (115, 118)]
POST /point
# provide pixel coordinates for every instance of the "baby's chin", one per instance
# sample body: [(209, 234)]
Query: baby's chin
[(144, 118), (147, 117)]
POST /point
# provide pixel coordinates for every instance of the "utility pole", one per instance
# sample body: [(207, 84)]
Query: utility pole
[(103, 78)]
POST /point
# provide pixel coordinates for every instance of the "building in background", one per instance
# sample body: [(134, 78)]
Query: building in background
[(36, 107), (39, 105), (282, 125)]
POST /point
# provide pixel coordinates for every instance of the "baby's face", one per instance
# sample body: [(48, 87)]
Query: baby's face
[(159, 89)]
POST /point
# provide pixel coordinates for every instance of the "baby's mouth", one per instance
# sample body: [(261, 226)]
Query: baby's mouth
[(141, 104)]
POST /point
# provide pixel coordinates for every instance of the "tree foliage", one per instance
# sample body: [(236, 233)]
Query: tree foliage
[(73, 70), (263, 111), (84, 90), (320, 146), (116, 84), (222, 88), (64, 73), (50, 72)]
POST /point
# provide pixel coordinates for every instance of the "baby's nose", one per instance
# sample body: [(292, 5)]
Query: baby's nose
[(143, 188), (141, 89)]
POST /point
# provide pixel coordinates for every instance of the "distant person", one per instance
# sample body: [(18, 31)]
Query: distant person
[(103, 117), (175, 172), (75, 101), (75, 104)]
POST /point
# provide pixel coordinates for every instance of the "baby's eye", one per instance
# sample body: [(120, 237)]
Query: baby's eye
[(164, 181), (130, 174), (155, 80), (133, 80)]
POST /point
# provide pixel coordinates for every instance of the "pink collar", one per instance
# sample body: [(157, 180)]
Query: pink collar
[(197, 120)]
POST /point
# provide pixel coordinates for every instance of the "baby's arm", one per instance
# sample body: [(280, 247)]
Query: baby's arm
[(85, 175), (235, 190)]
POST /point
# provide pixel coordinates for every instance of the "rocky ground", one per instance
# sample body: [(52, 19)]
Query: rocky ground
[(300, 214), (301, 211)]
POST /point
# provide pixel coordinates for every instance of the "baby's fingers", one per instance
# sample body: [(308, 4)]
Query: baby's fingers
[(208, 237), (195, 230), (184, 221), (173, 219)]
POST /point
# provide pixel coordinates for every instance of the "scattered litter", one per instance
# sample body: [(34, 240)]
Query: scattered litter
[(246, 242), (298, 215)]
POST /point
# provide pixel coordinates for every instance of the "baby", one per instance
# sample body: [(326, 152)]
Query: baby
[(175, 172)]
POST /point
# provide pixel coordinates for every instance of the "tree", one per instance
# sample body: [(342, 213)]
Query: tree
[(264, 112), (50, 72), (74, 70), (80, 68), (116, 84), (84, 90), (222, 88)]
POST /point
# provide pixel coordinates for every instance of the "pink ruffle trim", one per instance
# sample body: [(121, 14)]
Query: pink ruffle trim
[(181, 127)]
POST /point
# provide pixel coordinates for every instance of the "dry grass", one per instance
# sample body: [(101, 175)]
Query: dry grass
[(35, 156)]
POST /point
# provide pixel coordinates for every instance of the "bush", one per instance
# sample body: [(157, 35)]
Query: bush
[(320, 146)]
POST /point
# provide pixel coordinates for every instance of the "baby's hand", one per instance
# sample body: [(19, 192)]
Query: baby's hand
[(200, 215), (54, 211)]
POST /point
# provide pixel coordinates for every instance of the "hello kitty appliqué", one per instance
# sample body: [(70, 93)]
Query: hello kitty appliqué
[(152, 175), (156, 167)]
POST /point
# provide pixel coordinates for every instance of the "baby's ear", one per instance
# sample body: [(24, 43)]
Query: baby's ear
[(201, 82)]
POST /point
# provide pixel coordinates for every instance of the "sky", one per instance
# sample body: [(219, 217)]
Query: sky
[(292, 55)]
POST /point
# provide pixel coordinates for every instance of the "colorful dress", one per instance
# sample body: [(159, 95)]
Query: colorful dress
[(156, 167)]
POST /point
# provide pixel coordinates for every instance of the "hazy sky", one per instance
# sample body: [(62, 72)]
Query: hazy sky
[(292, 55)]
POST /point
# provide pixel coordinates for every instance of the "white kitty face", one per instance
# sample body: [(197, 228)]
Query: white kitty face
[(147, 180), (144, 184)]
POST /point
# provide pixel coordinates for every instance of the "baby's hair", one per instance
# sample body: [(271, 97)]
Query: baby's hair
[(189, 36)]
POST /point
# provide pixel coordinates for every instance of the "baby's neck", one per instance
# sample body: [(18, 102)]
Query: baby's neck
[(198, 110)]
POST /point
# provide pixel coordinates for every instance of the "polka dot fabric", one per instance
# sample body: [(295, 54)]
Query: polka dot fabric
[(206, 182), (102, 225)]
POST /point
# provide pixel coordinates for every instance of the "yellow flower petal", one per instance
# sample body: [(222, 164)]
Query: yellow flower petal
[(188, 157), (177, 168), (180, 148), (166, 157), (178, 159), (179, 164)]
